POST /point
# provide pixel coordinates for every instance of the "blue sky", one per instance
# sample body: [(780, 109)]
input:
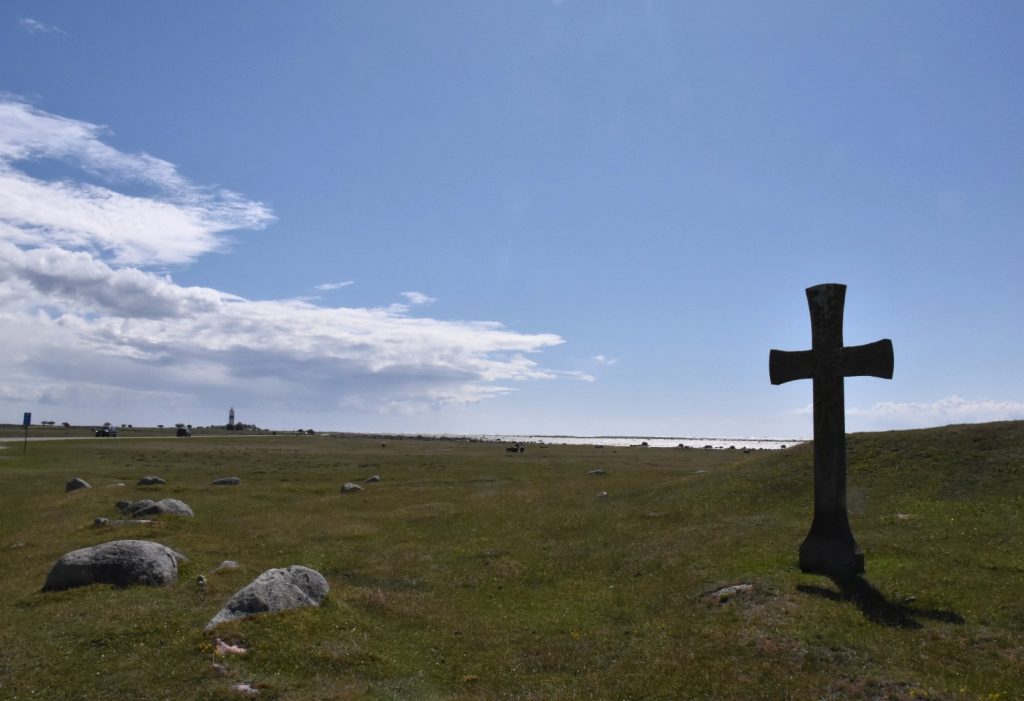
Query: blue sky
[(553, 217)]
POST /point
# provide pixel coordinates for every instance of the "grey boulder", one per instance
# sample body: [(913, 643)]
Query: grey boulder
[(227, 481), (151, 479), (351, 487), (76, 483), (275, 590), (373, 478), (148, 507), (119, 562)]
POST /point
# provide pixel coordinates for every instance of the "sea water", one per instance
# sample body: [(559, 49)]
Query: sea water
[(642, 441)]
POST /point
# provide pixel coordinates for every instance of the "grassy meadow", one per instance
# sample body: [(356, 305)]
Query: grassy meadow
[(469, 573)]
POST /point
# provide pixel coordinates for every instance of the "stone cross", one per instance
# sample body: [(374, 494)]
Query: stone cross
[(830, 548)]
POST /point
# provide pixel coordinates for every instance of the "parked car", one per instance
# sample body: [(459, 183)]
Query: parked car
[(106, 432), (184, 432)]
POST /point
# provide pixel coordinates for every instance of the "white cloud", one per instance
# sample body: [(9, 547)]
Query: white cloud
[(328, 286), (604, 360), (75, 281), (175, 222), (576, 375), (85, 322), (33, 26), (278, 353), (414, 298), (418, 298)]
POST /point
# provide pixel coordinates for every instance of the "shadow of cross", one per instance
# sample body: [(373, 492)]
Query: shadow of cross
[(829, 547), (876, 607)]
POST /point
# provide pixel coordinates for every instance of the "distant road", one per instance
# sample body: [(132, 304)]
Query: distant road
[(32, 439), (13, 439)]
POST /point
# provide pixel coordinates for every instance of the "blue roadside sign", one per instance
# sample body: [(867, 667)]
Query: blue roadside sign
[(28, 419)]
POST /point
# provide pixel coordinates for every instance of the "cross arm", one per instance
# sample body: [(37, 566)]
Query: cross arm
[(871, 359), (786, 366)]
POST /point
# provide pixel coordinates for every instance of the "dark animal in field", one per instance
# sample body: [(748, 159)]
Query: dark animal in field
[(516, 448)]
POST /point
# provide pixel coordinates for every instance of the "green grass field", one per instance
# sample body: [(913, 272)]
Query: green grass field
[(468, 573)]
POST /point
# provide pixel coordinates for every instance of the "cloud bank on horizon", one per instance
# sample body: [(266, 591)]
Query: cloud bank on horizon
[(91, 317), (907, 415), (951, 410)]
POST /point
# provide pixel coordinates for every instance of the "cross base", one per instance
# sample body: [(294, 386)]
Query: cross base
[(831, 556)]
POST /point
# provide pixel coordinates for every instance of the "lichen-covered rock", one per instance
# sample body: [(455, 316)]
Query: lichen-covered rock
[(151, 479), (724, 594), (119, 562), (227, 481), (76, 483), (275, 590), (174, 507), (148, 507)]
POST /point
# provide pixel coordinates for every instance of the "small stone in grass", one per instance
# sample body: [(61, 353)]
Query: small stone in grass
[(222, 648), (75, 484), (228, 481), (723, 595)]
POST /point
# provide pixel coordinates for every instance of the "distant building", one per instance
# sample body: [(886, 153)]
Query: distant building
[(233, 425)]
